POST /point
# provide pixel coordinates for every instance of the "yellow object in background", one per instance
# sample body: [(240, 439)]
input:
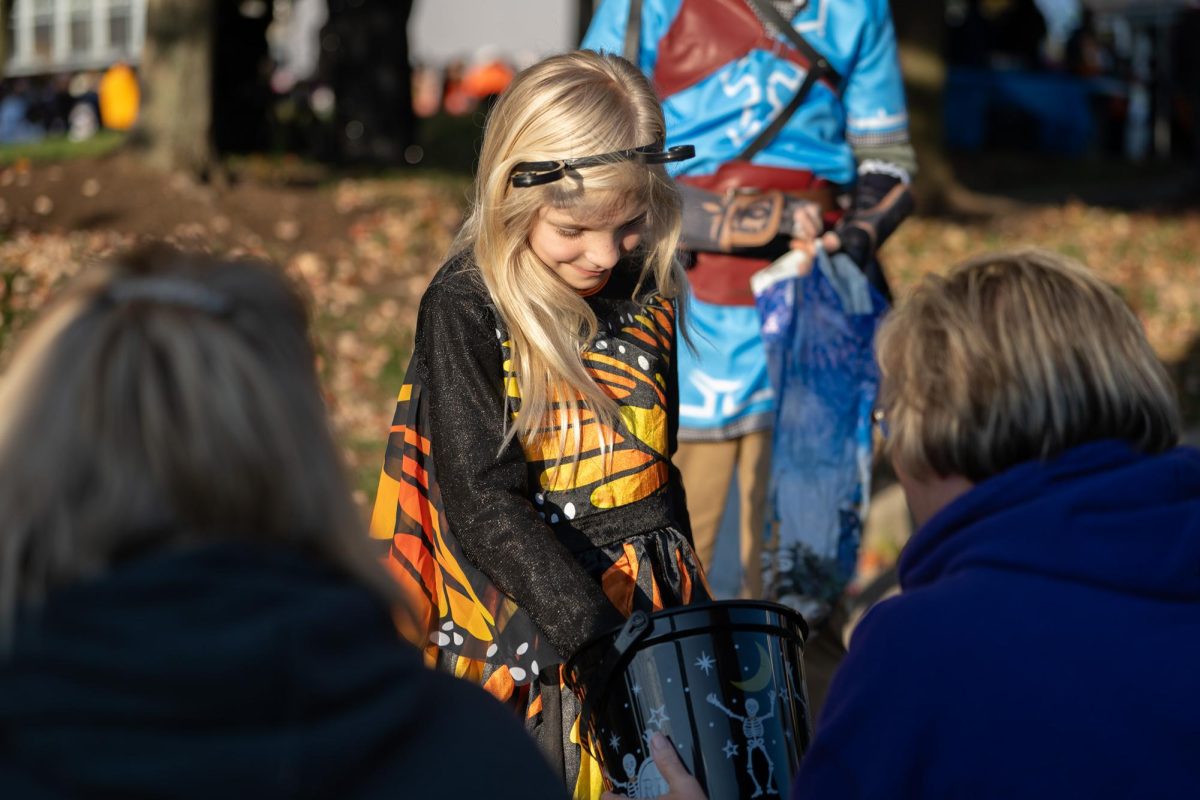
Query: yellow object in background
[(119, 98)]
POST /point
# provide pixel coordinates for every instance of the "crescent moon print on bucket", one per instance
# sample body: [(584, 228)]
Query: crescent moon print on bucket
[(724, 680), (761, 678)]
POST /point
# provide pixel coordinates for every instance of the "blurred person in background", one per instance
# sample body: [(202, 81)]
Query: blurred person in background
[(1047, 636), (488, 76), (120, 97), (15, 124), (84, 119), (793, 107), (455, 99), (188, 605)]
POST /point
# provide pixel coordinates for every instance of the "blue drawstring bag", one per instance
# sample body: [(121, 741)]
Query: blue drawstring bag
[(818, 326)]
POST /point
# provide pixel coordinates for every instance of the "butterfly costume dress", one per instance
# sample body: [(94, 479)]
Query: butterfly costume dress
[(513, 555)]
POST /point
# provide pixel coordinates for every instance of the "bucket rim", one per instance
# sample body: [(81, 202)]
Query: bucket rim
[(769, 605)]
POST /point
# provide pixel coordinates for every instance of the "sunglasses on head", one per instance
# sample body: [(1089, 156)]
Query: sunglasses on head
[(538, 173)]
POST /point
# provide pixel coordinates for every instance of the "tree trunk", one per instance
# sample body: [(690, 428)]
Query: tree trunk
[(5, 18), (364, 58), (584, 9), (241, 89), (175, 123), (921, 35)]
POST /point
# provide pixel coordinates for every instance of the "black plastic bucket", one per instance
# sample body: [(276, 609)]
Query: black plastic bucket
[(723, 680)]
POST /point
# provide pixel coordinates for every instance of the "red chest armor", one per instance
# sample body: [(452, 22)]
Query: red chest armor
[(704, 37)]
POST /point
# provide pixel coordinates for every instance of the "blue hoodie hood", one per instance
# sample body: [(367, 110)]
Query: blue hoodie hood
[(1101, 514), (1046, 643)]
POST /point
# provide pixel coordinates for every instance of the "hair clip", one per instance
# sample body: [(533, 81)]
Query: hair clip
[(656, 155), (170, 291), (538, 173)]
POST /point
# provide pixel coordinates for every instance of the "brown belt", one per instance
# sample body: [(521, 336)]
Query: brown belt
[(724, 279)]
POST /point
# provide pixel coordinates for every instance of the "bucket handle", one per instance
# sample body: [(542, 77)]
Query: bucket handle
[(634, 629)]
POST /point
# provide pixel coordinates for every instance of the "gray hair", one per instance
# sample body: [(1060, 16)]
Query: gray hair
[(1013, 357)]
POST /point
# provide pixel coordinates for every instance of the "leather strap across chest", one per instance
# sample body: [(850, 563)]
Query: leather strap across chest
[(708, 34)]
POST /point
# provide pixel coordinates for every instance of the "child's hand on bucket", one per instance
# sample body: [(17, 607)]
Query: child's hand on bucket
[(683, 785)]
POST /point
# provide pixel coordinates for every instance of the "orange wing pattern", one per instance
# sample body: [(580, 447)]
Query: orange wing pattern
[(630, 362), (462, 621)]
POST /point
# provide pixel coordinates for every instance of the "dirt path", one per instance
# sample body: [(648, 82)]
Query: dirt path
[(119, 193)]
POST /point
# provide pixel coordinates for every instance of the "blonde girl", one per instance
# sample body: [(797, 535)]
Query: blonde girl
[(527, 490)]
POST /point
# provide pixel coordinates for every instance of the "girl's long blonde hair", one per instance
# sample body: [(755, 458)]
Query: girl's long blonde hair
[(567, 106)]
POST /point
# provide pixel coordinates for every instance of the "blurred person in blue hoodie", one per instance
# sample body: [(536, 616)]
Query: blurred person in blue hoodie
[(189, 604), (1047, 638)]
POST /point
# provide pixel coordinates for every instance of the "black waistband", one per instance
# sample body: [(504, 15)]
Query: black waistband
[(618, 524)]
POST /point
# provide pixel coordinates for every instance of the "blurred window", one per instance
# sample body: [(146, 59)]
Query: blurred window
[(43, 29), (120, 25), (81, 27), (10, 34)]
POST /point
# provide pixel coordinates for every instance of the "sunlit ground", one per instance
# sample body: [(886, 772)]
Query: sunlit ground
[(364, 249)]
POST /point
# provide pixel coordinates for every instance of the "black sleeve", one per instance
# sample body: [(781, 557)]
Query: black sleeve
[(882, 200), (485, 488)]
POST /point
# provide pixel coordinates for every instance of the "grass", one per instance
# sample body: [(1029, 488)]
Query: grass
[(60, 148)]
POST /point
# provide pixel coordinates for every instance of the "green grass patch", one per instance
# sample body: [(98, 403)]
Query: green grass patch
[(60, 148)]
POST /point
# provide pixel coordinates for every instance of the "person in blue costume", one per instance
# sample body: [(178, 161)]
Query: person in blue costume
[(798, 116), (1046, 640)]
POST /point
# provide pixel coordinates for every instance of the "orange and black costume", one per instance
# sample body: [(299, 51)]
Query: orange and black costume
[(513, 555)]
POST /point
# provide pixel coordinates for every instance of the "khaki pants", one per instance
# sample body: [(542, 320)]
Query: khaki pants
[(708, 469)]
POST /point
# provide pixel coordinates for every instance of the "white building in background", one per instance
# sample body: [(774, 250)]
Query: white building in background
[(57, 36), (520, 30), (67, 35), (62, 36)]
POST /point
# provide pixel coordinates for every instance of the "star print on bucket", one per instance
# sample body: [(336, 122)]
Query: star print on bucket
[(723, 681)]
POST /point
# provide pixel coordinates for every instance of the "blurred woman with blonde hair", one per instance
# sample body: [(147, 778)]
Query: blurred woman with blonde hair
[(188, 607), (1047, 636), (528, 491)]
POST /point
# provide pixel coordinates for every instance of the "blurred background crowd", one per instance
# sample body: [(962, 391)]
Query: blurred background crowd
[(1072, 77)]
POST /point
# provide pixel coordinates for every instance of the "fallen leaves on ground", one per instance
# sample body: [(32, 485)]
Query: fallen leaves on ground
[(1149, 257), (365, 285)]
